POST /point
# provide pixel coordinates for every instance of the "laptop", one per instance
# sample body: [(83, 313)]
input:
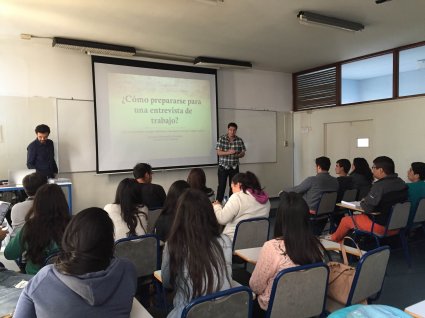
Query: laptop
[(4, 207), (16, 176)]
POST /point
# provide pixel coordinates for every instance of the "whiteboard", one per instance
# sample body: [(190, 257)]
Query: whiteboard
[(76, 136), (257, 128), (18, 118)]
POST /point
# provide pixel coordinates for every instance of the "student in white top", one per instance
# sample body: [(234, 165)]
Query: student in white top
[(128, 213), (247, 201)]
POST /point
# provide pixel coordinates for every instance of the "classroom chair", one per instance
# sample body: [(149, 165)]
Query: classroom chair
[(299, 291), (368, 279), (397, 220), (252, 232), (324, 212), (234, 302)]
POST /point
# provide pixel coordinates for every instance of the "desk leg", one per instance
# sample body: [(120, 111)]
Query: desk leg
[(69, 187)]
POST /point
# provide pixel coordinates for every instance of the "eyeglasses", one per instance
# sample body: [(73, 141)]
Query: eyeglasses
[(374, 167)]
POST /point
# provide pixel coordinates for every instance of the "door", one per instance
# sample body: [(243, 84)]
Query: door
[(349, 140)]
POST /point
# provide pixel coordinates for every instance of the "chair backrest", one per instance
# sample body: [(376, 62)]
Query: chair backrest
[(327, 203), (420, 212), (251, 233), (142, 250), (399, 216), (369, 276), (153, 216), (350, 195), (234, 302), (299, 292)]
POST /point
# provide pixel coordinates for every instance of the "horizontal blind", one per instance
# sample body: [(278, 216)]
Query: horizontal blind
[(316, 89)]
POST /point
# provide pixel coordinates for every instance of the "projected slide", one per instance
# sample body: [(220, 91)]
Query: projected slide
[(167, 118)]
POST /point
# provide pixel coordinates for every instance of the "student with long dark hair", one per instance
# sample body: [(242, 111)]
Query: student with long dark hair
[(43, 229), (247, 201), (128, 212), (294, 244), (198, 180), (361, 177), (165, 220), (197, 260), (86, 280)]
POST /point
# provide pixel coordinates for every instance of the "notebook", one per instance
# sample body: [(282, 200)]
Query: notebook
[(16, 176)]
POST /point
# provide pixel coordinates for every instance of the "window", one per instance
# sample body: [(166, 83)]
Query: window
[(412, 71), (315, 89), (367, 79)]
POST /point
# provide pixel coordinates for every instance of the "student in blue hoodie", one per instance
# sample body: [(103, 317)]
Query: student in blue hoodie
[(247, 201), (86, 280)]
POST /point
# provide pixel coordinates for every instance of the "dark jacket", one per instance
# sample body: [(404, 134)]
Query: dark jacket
[(383, 195), (153, 195)]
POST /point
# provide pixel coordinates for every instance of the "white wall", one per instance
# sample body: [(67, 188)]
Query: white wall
[(34, 68), (399, 132)]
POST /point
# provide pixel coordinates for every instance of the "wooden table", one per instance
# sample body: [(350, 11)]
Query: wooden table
[(250, 255), (416, 310)]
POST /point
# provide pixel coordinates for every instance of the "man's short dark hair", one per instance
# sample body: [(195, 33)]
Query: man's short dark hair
[(32, 182), (42, 129), (324, 163), (345, 164), (385, 163), (419, 168), (232, 124), (141, 169)]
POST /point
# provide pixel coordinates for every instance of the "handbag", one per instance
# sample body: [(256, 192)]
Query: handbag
[(341, 276)]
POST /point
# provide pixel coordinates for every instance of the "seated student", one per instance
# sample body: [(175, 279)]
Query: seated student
[(196, 260), (361, 177), (44, 226), (247, 201), (86, 280), (293, 244), (313, 187), (31, 183), (128, 212), (197, 180), (345, 182), (388, 190), (153, 195), (166, 218), (416, 176)]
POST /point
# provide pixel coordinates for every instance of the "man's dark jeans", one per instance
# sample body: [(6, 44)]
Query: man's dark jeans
[(223, 174)]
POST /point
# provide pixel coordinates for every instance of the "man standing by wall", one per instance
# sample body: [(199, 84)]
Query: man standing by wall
[(229, 149), (41, 153)]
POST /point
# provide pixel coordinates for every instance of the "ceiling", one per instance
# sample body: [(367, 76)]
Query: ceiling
[(265, 32)]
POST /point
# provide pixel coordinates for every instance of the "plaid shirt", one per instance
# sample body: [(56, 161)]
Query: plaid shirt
[(224, 144)]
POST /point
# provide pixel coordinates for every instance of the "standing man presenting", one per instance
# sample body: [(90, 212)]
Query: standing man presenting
[(229, 149), (41, 153)]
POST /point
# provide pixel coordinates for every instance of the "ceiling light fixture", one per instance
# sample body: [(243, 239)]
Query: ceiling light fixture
[(314, 18), (90, 47), (218, 62)]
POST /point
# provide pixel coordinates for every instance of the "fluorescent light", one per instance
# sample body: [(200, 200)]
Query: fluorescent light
[(218, 62), (314, 18), (90, 47)]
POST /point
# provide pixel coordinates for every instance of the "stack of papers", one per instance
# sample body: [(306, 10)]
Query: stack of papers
[(354, 204)]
